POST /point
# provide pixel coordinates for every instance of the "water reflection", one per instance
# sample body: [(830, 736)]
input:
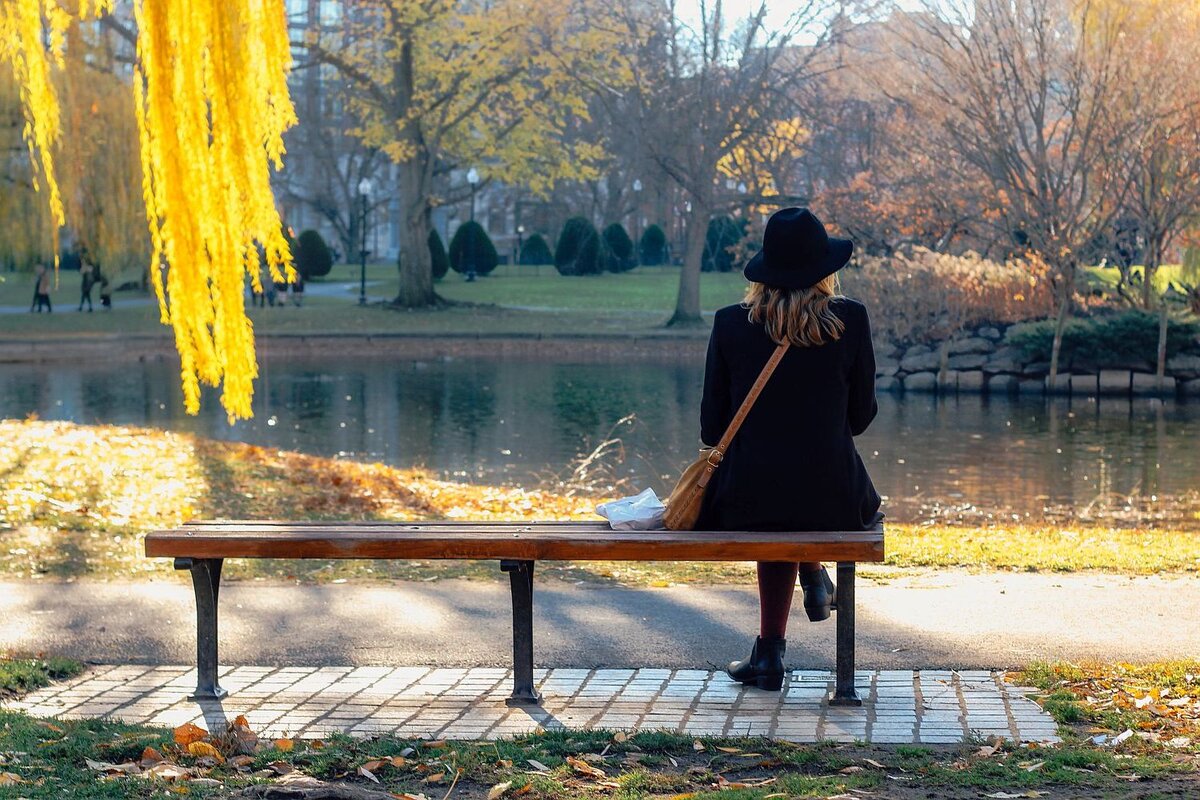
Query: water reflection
[(524, 421)]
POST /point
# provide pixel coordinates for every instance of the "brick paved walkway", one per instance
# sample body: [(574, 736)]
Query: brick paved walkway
[(930, 707)]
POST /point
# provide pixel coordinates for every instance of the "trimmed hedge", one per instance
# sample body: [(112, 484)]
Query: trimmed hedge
[(472, 248), (619, 247), (653, 247), (723, 233), (313, 259), (1132, 335), (580, 250), (535, 250), (437, 255)]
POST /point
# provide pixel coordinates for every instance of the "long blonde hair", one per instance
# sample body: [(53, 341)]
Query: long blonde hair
[(801, 317)]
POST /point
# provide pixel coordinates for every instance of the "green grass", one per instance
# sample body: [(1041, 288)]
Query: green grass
[(510, 301), (50, 761), (20, 675), (1108, 277)]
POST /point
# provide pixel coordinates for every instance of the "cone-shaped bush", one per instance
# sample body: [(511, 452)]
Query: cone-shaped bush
[(437, 255), (620, 248), (568, 255), (471, 248), (723, 233), (535, 251), (593, 255), (313, 259), (653, 247)]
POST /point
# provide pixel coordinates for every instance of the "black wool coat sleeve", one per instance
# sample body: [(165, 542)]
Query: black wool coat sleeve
[(793, 465)]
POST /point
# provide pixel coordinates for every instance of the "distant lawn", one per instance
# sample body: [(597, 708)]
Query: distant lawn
[(515, 300), (1107, 277)]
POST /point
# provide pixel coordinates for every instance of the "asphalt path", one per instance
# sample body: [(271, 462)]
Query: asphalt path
[(910, 620)]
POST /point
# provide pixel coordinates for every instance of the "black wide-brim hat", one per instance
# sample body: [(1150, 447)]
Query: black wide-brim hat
[(797, 251)]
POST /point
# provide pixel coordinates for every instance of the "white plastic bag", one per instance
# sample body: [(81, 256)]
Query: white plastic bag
[(642, 512)]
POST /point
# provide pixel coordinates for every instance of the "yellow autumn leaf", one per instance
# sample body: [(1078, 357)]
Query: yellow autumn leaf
[(202, 749)]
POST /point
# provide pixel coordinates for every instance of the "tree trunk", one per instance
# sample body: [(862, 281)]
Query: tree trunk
[(1149, 269), (1160, 371), (687, 302), (1066, 290), (416, 267)]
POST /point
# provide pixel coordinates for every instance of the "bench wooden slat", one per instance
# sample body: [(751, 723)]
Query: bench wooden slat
[(526, 541)]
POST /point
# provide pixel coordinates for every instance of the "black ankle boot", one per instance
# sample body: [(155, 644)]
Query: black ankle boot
[(820, 595), (764, 667)]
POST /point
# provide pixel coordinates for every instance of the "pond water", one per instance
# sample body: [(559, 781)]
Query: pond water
[(532, 423)]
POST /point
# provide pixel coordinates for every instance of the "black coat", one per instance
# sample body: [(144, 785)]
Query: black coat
[(792, 465)]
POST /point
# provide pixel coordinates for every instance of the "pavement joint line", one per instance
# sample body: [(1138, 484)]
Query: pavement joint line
[(1013, 728), (690, 711), (956, 684), (322, 717), (599, 715), (648, 705), (417, 709), (918, 706), (474, 704), (872, 698)]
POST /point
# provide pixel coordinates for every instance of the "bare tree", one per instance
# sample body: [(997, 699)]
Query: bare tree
[(1029, 93), (1163, 157), (701, 91)]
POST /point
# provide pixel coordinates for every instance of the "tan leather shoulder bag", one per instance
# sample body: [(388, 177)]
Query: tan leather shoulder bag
[(683, 506)]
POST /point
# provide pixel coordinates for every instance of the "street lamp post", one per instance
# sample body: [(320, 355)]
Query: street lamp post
[(637, 214), (473, 179), (520, 245), (364, 193)]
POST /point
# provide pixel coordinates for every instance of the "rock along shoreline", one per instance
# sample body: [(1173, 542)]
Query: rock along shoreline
[(979, 361)]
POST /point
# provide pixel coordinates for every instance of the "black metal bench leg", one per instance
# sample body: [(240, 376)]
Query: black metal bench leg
[(206, 580), (845, 694), (520, 576)]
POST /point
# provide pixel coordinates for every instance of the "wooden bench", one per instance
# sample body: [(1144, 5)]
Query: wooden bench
[(201, 548)]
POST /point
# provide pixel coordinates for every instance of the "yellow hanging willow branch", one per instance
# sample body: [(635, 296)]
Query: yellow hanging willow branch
[(211, 98), (25, 28)]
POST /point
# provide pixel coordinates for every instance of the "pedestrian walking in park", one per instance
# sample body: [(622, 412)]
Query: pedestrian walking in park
[(41, 289), (298, 290), (87, 279), (792, 465), (105, 290)]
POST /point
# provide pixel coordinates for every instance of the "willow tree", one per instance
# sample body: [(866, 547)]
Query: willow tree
[(211, 103), (445, 83)]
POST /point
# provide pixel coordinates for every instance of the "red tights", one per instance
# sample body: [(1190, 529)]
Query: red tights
[(776, 583)]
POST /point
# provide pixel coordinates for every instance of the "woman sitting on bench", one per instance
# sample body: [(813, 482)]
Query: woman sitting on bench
[(793, 465)]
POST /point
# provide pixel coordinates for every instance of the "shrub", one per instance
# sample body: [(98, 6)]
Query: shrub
[(722, 235), (619, 247), (437, 255), (471, 248), (925, 296), (535, 250), (313, 259), (579, 249), (653, 247), (1129, 336)]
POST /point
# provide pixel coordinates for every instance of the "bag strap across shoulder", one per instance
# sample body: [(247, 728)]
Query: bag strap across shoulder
[(748, 403)]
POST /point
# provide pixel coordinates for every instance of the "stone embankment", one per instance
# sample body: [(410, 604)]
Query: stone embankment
[(983, 361)]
